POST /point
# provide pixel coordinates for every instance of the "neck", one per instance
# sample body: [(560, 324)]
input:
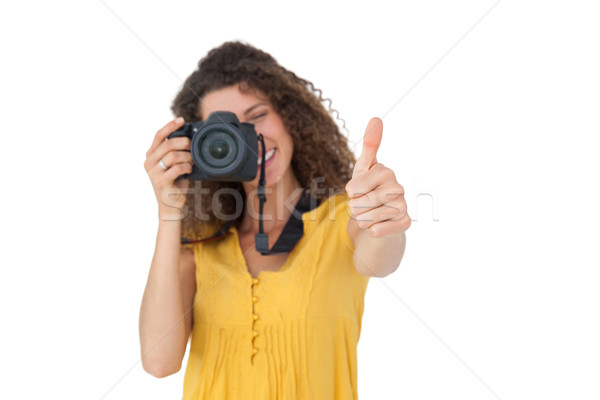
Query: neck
[(281, 200)]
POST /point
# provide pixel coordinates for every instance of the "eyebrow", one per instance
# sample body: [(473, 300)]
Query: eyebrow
[(248, 111)]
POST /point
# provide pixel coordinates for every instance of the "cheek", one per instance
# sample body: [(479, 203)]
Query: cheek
[(289, 144), (277, 132), (285, 139)]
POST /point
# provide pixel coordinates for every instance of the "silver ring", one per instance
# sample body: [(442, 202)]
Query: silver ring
[(162, 165)]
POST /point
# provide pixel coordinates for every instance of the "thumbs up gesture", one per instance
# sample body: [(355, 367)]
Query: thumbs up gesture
[(377, 202)]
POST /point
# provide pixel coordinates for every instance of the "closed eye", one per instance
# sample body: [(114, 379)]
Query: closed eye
[(258, 116)]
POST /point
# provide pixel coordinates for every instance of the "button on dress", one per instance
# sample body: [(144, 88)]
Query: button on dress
[(284, 335)]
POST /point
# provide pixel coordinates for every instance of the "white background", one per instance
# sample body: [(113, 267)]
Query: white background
[(498, 299)]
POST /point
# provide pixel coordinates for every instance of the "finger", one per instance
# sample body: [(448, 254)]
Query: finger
[(176, 157), (177, 170), (378, 176), (162, 176), (175, 144), (171, 160), (391, 227), (393, 211), (371, 143), (387, 195), (165, 131)]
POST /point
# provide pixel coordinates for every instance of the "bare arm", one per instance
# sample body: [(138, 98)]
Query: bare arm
[(378, 209), (376, 257), (165, 313), (166, 310)]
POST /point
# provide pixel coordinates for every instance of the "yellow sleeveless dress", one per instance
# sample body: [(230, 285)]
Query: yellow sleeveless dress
[(285, 335)]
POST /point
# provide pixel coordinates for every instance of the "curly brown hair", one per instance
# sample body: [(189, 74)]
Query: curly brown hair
[(321, 151)]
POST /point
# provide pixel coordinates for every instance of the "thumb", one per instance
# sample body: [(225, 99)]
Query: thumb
[(371, 143)]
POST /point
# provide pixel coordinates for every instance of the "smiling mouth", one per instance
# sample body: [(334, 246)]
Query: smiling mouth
[(268, 156)]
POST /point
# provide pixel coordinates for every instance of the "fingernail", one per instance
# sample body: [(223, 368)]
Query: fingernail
[(178, 120)]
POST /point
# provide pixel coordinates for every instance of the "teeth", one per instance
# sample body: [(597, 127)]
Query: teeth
[(268, 156)]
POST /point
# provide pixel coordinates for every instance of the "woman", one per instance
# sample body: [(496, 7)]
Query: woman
[(278, 326)]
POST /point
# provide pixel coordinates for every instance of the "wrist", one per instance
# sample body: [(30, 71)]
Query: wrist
[(170, 215)]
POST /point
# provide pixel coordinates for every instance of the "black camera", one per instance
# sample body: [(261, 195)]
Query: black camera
[(223, 148)]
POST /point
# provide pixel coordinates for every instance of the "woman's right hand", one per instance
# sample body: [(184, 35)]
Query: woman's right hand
[(176, 157), (165, 323)]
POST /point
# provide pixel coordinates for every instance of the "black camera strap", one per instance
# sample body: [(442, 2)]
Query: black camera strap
[(261, 239)]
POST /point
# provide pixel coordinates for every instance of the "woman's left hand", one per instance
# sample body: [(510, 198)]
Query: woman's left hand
[(376, 198)]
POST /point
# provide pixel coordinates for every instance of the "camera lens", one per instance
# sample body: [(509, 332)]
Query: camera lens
[(219, 148), (223, 148)]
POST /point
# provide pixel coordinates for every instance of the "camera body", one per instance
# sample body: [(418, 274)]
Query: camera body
[(223, 148)]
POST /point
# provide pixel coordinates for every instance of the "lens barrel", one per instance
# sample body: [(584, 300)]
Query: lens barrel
[(222, 147), (218, 148)]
